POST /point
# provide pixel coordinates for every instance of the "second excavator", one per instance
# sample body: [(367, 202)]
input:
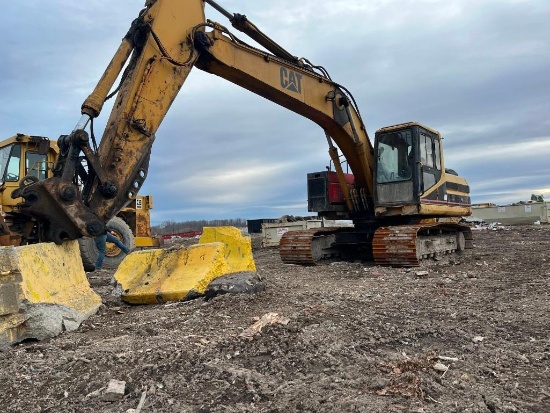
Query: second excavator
[(404, 203)]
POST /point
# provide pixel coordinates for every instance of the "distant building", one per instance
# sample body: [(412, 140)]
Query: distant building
[(512, 214)]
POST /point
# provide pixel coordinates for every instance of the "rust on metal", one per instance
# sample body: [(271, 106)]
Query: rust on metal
[(408, 245), (297, 247), (396, 246)]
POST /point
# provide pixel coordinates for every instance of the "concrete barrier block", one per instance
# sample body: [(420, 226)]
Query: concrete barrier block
[(156, 276), (43, 291)]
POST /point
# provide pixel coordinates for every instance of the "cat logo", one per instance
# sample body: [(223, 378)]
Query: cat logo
[(291, 80)]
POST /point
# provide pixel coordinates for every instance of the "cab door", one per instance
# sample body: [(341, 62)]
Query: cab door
[(394, 166), (430, 160)]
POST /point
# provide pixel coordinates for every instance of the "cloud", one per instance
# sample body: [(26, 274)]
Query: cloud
[(506, 152)]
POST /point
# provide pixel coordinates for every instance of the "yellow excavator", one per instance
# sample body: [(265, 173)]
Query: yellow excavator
[(27, 159), (404, 203)]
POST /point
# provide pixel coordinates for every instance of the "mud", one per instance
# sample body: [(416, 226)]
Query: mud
[(468, 335)]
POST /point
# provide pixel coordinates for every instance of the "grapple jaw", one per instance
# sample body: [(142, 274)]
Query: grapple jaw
[(57, 206)]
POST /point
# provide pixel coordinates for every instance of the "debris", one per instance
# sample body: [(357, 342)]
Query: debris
[(433, 400), (493, 226), (468, 378), (421, 273), (379, 383), (269, 318), (478, 339), (244, 282), (524, 358), (445, 358), (95, 393), (440, 367), (115, 390), (510, 408), (141, 402)]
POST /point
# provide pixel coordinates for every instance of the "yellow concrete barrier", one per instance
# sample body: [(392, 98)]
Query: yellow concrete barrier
[(43, 291), (157, 276), (238, 249)]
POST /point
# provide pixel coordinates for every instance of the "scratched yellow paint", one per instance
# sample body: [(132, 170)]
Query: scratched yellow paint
[(238, 248)]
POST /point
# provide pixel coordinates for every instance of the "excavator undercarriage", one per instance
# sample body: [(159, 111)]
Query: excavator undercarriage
[(399, 246)]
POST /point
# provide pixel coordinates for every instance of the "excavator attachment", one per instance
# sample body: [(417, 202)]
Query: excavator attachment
[(43, 291), (157, 276)]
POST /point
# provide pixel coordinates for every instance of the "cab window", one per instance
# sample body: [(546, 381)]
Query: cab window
[(35, 165), (430, 159), (394, 157), (430, 155), (437, 155), (10, 160)]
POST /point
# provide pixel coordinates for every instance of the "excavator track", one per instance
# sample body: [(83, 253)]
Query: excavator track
[(306, 247), (408, 245), (398, 246)]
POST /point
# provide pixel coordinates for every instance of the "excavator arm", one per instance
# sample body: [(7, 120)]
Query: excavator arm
[(93, 182)]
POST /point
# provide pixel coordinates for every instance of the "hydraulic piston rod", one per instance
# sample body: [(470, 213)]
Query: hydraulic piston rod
[(240, 22)]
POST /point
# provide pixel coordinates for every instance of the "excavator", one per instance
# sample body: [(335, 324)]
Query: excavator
[(404, 204)]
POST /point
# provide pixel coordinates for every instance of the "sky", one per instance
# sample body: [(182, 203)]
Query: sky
[(478, 71)]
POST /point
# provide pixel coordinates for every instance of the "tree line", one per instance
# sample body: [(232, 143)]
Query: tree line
[(173, 227)]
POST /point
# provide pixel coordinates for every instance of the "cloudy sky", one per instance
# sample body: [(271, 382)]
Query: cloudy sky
[(476, 70)]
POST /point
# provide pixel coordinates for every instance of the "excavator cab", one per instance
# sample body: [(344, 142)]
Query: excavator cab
[(397, 165), (410, 175)]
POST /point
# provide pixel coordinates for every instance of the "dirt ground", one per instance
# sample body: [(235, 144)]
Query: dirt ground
[(471, 335)]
